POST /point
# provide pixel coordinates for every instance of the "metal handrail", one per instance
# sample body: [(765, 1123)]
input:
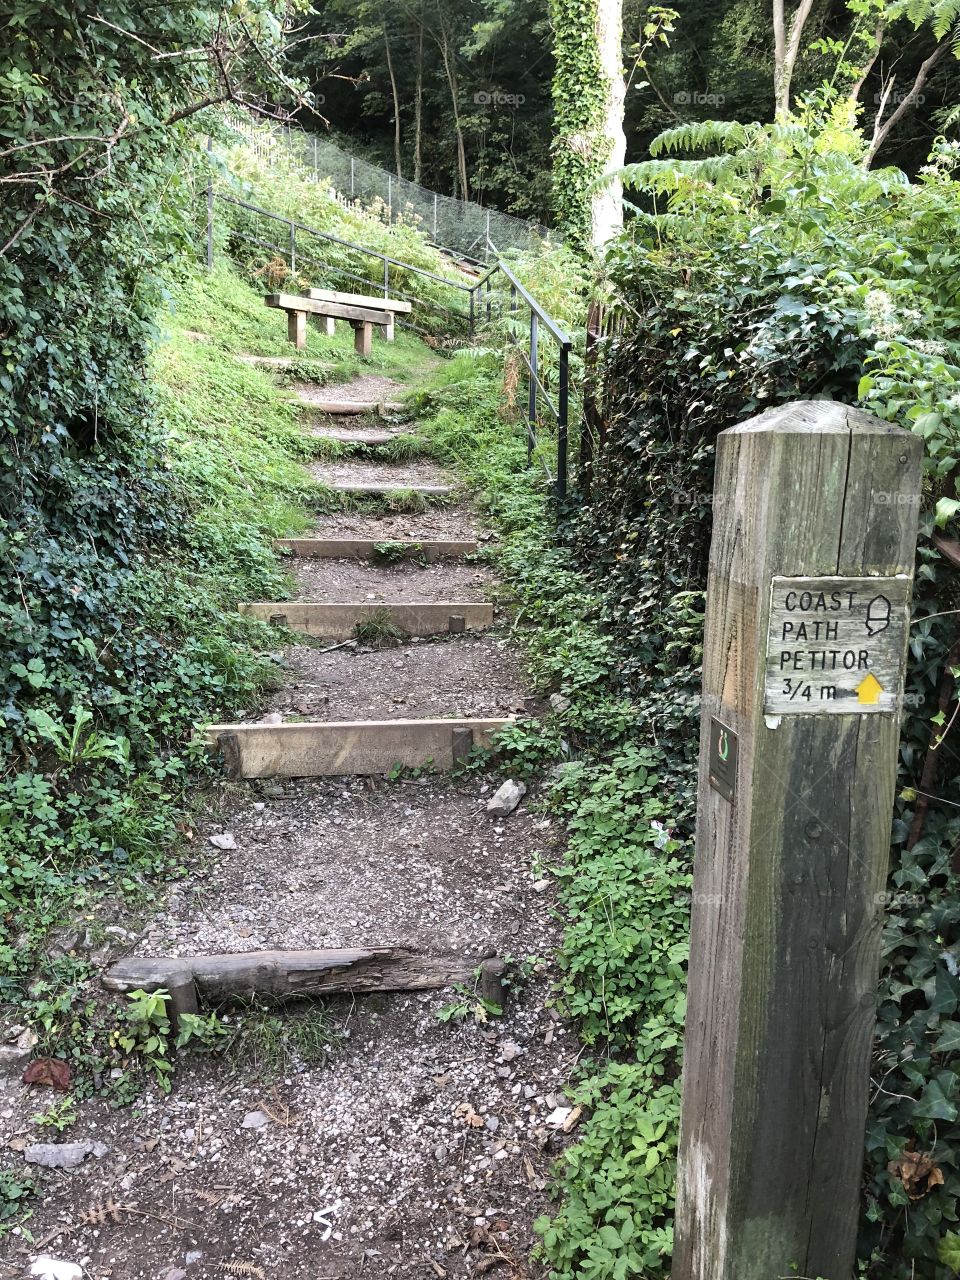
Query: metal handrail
[(293, 225), (536, 388), (480, 290)]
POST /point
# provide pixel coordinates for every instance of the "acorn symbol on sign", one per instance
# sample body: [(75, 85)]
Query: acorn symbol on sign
[(723, 745), (878, 615)]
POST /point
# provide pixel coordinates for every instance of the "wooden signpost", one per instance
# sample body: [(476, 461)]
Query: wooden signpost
[(811, 567)]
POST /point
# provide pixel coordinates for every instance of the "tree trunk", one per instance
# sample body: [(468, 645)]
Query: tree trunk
[(883, 128), (607, 201), (786, 50), (418, 102), (397, 158), (444, 43)]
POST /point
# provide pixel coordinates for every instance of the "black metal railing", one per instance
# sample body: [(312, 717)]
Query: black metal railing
[(483, 303), (302, 247)]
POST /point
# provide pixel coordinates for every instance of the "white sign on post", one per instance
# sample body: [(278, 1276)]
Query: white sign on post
[(836, 646)]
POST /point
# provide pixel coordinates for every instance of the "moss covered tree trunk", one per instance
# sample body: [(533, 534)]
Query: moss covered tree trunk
[(588, 94)]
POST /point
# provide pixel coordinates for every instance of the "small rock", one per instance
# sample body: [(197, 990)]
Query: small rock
[(509, 1051), (258, 806), (559, 703), (255, 1120), (13, 1059), (540, 886), (272, 717), (62, 1155), (223, 841), (559, 1117), (175, 1273), (193, 1256), (506, 798)]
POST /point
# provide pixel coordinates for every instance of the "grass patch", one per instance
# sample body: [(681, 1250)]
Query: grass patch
[(270, 1042), (379, 630)]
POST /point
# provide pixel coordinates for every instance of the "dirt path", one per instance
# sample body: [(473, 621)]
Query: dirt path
[(393, 1143)]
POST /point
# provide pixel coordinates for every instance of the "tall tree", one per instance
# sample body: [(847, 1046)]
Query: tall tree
[(588, 94), (787, 43)]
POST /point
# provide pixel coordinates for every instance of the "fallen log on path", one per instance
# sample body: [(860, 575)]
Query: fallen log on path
[(284, 975)]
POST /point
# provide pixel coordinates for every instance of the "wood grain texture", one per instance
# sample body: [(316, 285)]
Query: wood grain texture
[(785, 931), (356, 747), (282, 975), (338, 621), (367, 548), (298, 305), (397, 305)]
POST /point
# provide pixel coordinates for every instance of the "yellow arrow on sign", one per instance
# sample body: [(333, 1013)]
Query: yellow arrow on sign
[(869, 690)]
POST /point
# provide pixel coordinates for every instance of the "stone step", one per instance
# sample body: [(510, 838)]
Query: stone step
[(357, 747), (338, 621), (355, 408), (429, 549)]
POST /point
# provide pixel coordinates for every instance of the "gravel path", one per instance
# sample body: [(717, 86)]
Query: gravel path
[(368, 387), (398, 475), (436, 522), (351, 580), (469, 675), (412, 1146)]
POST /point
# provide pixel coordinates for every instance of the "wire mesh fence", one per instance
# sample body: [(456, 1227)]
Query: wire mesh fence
[(462, 226)]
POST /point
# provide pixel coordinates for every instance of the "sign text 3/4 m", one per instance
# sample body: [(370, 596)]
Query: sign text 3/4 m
[(836, 645)]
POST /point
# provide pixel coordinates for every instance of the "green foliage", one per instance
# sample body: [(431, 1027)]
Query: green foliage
[(130, 644), (16, 1188), (268, 1043), (777, 269), (468, 1004), (617, 1181)]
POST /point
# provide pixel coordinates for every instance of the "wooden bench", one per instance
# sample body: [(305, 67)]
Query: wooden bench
[(393, 305), (298, 308)]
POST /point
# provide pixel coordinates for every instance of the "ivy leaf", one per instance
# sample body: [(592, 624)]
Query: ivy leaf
[(946, 509), (948, 1251)]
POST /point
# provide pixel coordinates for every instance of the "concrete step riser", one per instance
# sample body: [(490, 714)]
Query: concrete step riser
[(339, 748), (338, 621)]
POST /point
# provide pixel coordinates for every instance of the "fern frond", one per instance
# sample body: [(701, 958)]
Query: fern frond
[(664, 177), (725, 135)]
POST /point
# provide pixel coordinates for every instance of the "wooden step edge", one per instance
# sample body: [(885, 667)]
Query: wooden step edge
[(429, 549), (331, 748), (355, 408), (372, 438), (378, 488), (304, 974), (281, 362), (337, 621)]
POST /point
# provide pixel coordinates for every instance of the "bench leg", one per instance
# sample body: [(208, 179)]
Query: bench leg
[(326, 326), (362, 337), (386, 331), (297, 328)]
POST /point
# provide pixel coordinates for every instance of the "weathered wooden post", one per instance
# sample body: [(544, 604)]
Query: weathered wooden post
[(811, 569)]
